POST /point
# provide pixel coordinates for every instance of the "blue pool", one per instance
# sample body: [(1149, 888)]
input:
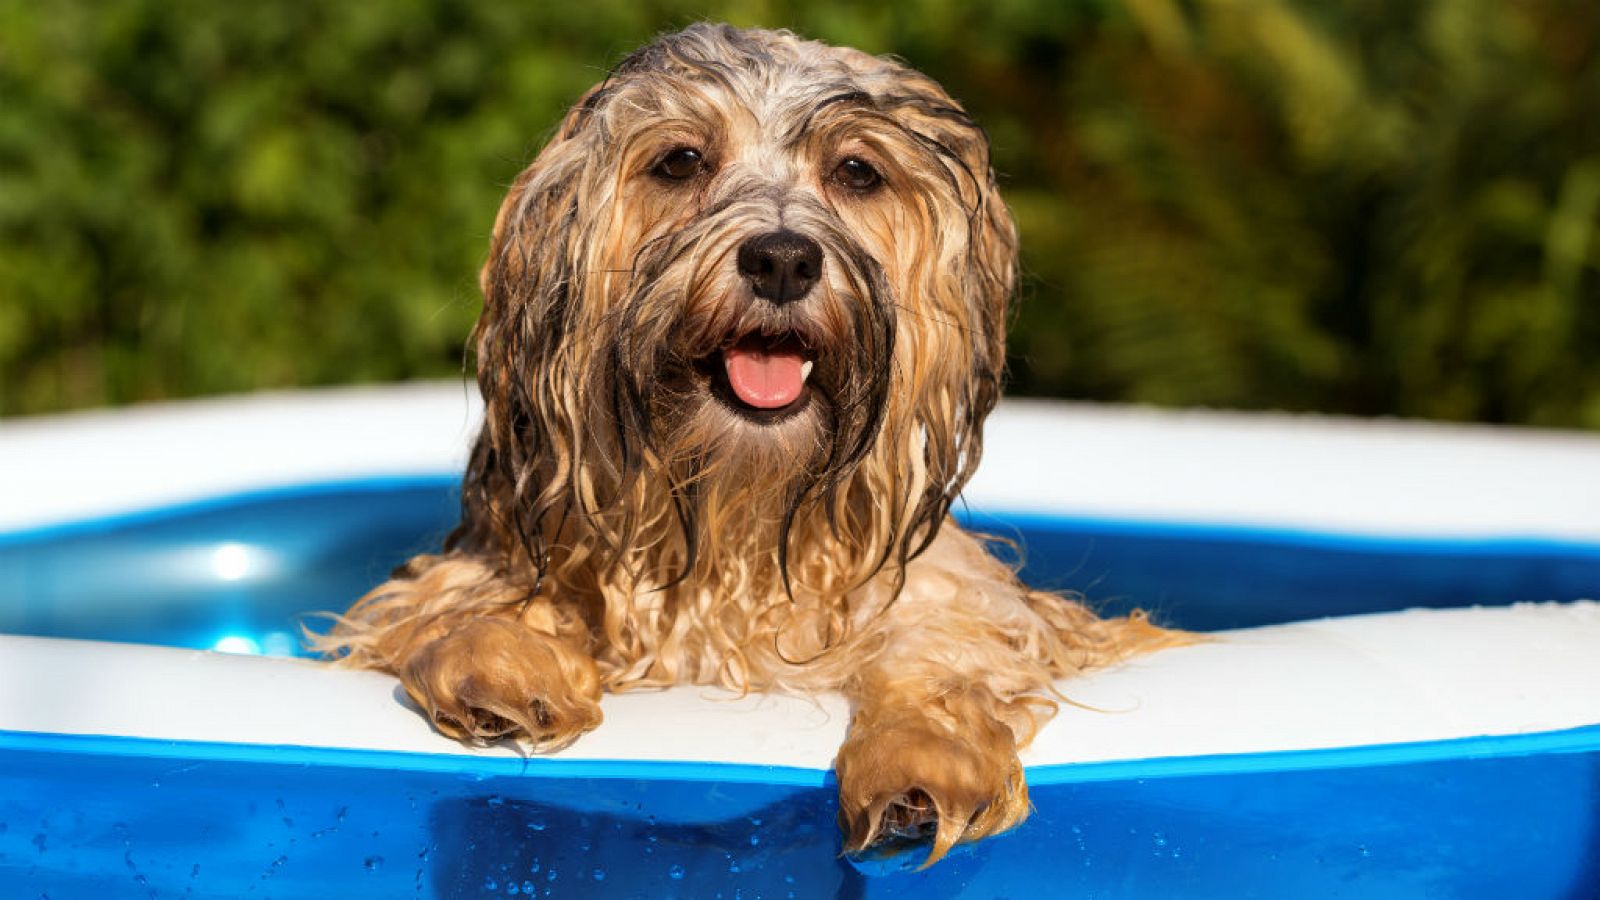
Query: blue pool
[(241, 798), (246, 567)]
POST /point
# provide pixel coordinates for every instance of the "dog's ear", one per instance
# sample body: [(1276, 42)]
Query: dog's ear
[(993, 251), (530, 283), (991, 272), (990, 267), (958, 343), (991, 283)]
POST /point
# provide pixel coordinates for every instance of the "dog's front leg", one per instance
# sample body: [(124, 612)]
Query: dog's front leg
[(494, 677), (483, 658), (927, 761), (960, 678)]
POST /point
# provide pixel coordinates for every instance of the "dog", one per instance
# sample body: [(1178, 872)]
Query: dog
[(743, 319)]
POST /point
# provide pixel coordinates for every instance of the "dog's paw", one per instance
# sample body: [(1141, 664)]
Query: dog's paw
[(912, 783), (495, 678)]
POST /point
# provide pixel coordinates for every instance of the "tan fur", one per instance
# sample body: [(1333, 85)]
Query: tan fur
[(623, 527)]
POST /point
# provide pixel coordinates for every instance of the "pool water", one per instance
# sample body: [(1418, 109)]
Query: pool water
[(97, 817), (237, 573), (294, 825)]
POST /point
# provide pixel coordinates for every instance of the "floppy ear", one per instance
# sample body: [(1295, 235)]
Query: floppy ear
[(975, 241), (991, 274), (992, 252), (988, 268), (955, 433), (527, 371)]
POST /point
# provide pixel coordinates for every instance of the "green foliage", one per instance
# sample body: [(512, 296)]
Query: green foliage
[(1370, 207)]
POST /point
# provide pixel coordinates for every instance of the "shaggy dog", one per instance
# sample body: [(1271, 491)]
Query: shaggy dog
[(743, 320)]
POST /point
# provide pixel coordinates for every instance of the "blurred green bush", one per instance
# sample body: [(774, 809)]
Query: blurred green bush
[(1367, 207)]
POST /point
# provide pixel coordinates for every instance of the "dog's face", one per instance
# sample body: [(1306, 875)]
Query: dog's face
[(748, 268)]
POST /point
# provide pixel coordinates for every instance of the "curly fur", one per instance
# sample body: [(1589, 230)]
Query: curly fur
[(624, 525)]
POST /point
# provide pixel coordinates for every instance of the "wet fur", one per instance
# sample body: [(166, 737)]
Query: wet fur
[(624, 527)]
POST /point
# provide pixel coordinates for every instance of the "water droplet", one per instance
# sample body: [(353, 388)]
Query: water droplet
[(1364, 851), (497, 800), (273, 868), (676, 872), (1160, 839), (195, 872), (755, 840), (513, 889), (733, 865), (373, 863), (489, 884), (528, 887), (535, 824), (599, 874), (533, 868)]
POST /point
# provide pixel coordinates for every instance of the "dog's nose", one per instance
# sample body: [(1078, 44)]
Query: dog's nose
[(781, 265)]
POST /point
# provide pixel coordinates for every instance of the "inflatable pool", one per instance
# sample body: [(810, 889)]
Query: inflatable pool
[(1438, 736)]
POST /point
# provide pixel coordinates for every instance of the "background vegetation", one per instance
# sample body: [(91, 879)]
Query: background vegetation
[(1366, 206)]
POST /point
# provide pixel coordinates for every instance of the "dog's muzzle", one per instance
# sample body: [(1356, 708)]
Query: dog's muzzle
[(768, 372)]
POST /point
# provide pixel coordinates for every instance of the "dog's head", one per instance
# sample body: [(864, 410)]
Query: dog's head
[(752, 280)]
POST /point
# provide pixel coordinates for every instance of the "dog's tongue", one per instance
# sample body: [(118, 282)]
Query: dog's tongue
[(765, 377)]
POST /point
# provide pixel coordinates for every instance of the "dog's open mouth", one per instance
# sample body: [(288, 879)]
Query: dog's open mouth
[(765, 374)]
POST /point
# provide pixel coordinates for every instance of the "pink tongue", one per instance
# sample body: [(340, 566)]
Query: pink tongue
[(764, 379)]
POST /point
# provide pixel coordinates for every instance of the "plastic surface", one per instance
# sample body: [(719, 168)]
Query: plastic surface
[(1394, 680)]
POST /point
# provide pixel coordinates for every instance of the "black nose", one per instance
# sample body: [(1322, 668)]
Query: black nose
[(781, 265)]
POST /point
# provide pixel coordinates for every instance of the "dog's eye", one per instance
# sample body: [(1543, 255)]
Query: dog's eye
[(680, 165), (857, 175)]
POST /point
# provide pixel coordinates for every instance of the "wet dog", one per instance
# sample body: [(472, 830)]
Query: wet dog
[(743, 321)]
